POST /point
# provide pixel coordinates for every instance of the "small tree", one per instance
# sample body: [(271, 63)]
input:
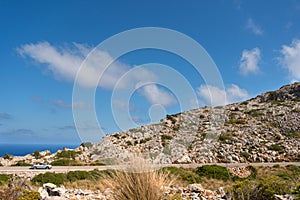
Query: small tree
[(37, 154), (7, 156)]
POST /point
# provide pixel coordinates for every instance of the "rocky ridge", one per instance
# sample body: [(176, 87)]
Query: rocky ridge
[(262, 129)]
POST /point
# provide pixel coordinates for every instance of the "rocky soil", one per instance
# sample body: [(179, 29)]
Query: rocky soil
[(262, 129), (50, 191)]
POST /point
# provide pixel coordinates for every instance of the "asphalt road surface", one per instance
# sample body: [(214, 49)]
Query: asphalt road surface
[(63, 169)]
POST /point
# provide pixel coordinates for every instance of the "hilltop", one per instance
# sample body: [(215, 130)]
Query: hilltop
[(263, 129)]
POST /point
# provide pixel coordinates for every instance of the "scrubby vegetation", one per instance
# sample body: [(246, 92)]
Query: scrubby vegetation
[(37, 154), (22, 163), (261, 184), (62, 178), (214, 171), (67, 154), (4, 178), (183, 175), (65, 162)]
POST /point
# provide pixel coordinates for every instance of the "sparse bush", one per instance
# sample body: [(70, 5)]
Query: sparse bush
[(129, 143), (245, 154), (65, 162), (225, 137), (166, 137), (170, 117), (37, 154), (236, 121), (67, 154), (7, 156), (72, 176), (49, 177), (276, 147), (145, 140), (97, 163), (187, 176), (21, 163), (176, 128), (214, 171), (30, 195), (4, 178), (272, 185)]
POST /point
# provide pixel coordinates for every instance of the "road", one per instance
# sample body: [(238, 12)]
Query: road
[(63, 169)]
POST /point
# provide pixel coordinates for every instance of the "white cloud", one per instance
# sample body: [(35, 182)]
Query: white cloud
[(64, 62), (215, 96), (234, 94), (256, 29), (249, 61), (290, 59), (157, 95)]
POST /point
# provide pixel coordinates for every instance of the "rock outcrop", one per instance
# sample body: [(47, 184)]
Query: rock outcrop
[(262, 129)]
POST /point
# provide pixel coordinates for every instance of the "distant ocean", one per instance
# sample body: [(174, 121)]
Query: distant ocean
[(23, 149)]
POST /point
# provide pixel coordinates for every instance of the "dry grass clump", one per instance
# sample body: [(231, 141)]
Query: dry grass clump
[(138, 181)]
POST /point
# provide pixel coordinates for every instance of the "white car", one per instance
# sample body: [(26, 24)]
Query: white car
[(41, 166)]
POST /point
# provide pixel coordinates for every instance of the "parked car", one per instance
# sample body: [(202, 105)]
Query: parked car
[(41, 166)]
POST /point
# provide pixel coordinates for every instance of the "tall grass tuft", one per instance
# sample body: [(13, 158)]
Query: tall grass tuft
[(138, 181)]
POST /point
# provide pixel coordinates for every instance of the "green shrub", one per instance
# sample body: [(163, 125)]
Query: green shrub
[(21, 163), (49, 177), (4, 178), (145, 140), (97, 163), (36, 154), (77, 175), (225, 137), (214, 171), (65, 162), (293, 168), (30, 195), (60, 178), (236, 121), (166, 137), (67, 154), (245, 154), (272, 185), (184, 175), (296, 191), (129, 143), (254, 113), (276, 147), (260, 189), (176, 128), (7, 156)]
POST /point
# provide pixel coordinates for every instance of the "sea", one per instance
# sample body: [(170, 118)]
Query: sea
[(24, 149)]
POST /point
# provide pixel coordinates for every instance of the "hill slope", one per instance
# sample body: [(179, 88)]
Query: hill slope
[(262, 129)]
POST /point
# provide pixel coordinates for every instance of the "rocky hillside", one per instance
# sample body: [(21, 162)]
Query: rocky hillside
[(262, 129)]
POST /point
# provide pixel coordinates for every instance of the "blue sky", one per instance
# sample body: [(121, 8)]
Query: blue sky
[(254, 44)]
